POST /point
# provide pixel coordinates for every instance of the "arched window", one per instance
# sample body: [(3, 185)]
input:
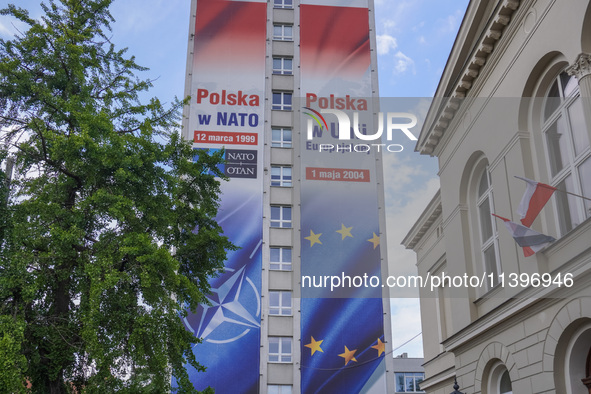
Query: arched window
[(498, 380), (488, 230), (576, 343), (568, 151), (505, 384), (587, 380)]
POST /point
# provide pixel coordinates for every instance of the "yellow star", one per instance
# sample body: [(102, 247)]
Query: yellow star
[(315, 346), (345, 231), (380, 347), (314, 238), (375, 240), (348, 355)]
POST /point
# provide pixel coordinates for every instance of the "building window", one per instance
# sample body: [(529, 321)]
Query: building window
[(282, 65), (278, 389), (282, 101), (280, 216), (280, 303), (279, 349), (573, 357), (283, 32), (281, 176), (280, 259), (488, 229), (499, 381), (505, 386), (283, 4), (569, 154), (408, 382), (280, 137)]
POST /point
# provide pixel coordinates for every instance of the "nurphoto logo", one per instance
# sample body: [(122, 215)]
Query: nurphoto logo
[(346, 129)]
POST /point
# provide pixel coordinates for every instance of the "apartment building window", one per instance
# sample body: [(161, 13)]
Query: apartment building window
[(283, 32), (280, 349), (280, 216), (568, 151), (281, 176), (408, 382), (280, 303), (279, 389), (283, 3), (283, 65), (280, 259), (488, 229), (281, 137), (282, 101)]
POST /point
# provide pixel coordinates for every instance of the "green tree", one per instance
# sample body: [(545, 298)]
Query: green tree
[(108, 234)]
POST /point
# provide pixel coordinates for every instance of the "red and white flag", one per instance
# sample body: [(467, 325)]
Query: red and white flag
[(536, 196), (531, 241)]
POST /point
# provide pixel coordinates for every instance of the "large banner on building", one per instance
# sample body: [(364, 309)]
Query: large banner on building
[(226, 112), (342, 327)]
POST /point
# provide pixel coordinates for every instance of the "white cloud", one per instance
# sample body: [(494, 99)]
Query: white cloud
[(133, 17), (422, 40), (3, 29), (385, 43), (408, 190), (10, 26), (452, 22), (403, 63), (401, 174), (394, 14), (419, 26), (388, 24)]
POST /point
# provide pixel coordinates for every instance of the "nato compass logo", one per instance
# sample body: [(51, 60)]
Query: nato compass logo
[(239, 163), (235, 310)]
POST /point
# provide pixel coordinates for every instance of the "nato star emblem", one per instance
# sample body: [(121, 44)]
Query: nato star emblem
[(222, 321)]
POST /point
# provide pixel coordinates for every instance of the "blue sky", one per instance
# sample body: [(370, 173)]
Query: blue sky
[(414, 40)]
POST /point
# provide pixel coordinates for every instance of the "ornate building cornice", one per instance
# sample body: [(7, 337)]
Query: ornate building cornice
[(581, 67), (478, 58)]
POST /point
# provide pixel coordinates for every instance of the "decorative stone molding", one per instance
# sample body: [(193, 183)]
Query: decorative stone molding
[(575, 309), (428, 217), (581, 67), (494, 351), (485, 47)]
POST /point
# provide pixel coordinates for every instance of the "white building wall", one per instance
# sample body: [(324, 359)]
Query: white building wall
[(532, 334)]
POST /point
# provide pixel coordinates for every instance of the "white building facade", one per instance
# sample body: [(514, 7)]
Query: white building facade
[(514, 100)]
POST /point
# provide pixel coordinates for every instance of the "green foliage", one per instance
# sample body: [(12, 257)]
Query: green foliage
[(108, 232)]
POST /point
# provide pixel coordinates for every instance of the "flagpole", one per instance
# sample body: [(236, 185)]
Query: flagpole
[(553, 188), (573, 194)]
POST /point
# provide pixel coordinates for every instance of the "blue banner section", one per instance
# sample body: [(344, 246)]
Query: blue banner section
[(341, 306), (342, 317), (340, 236), (227, 81), (230, 325), (343, 344)]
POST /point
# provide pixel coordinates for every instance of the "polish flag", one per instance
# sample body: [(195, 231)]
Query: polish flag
[(531, 241), (536, 196)]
